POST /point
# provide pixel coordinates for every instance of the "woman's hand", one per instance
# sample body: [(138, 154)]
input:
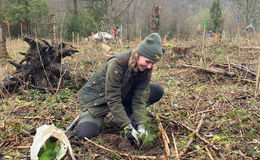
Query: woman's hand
[(132, 135)]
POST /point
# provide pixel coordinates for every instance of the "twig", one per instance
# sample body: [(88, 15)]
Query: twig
[(200, 113), (185, 150), (124, 9), (210, 156), (197, 105), (22, 147), (175, 145), (256, 48), (59, 83), (3, 122), (40, 56), (165, 138), (241, 154), (124, 154), (197, 135)]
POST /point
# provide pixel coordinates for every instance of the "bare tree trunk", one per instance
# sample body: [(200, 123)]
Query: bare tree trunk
[(3, 51), (156, 16), (75, 4), (53, 29), (27, 22), (247, 13), (127, 26)]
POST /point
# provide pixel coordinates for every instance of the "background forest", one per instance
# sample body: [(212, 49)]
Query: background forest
[(178, 18)]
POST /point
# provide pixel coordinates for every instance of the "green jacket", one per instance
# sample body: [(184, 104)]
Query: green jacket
[(110, 85)]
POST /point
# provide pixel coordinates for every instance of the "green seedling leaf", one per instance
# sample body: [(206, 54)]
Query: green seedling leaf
[(192, 135), (250, 151), (199, 149), (250, 133), (200, 88), (148, 140)]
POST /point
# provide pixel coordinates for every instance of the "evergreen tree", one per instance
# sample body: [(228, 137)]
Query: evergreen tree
[(81, 23), (216, 19), (31, 13), (98, 8)]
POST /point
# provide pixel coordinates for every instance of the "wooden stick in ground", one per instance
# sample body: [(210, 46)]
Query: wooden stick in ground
[(185, 150), (165, 138), (203, 41), (257, 78), (124, 154), (228, 64)]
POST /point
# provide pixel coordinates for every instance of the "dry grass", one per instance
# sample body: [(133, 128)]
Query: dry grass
[(232, 115)]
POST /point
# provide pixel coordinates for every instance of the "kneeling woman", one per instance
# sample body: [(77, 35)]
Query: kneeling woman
[(122, 86)]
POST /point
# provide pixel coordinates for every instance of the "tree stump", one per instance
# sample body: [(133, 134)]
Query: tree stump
[(41, 67)]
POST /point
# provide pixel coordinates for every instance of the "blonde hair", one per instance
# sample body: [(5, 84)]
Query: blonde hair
[(133, 61)]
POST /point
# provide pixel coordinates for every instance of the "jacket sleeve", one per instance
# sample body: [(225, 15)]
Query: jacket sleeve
[(140, 97), (113, 86)]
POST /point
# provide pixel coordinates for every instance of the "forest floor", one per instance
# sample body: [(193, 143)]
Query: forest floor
[(211, 90)]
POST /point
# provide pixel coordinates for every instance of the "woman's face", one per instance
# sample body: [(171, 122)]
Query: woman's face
[(145, 63)]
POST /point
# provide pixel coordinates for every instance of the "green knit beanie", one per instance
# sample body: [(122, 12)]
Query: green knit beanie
[(151, 47)]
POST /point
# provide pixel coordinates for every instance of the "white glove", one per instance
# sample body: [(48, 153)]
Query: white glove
[(141, 130), (132, 135)]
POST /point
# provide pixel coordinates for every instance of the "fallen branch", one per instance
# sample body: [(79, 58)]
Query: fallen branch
[(237, 66), (165, 138), (124, 154), (256, 48), (211, 70), (185, 150)]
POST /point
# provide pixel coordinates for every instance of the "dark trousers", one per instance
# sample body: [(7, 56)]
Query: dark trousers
[(156, 93), (90, 127)]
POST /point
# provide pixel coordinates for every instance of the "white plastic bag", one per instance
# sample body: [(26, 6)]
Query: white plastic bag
[(43, 133)]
